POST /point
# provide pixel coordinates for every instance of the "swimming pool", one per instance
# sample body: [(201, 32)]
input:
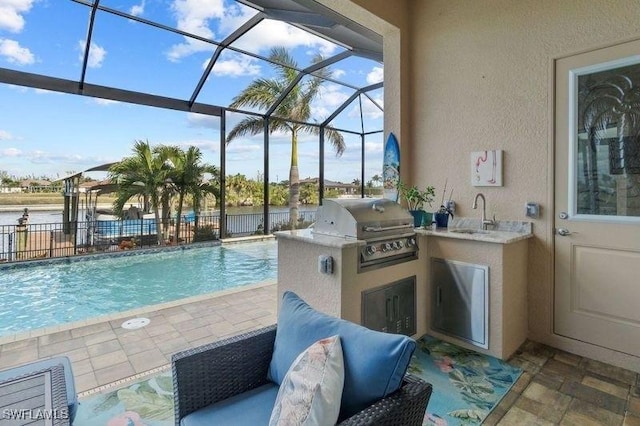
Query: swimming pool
[(45, 295)]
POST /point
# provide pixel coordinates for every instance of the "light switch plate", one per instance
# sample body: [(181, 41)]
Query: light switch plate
[(532, 210)]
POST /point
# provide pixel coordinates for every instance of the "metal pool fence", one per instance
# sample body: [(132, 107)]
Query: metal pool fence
[(36, 241)]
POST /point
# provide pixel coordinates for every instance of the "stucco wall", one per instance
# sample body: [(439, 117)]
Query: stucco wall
[(482, 79)]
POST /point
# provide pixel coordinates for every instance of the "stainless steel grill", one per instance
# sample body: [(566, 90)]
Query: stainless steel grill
[(384, 225)]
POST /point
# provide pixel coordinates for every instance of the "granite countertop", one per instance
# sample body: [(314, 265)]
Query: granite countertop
[(307, 235), (505, 231)]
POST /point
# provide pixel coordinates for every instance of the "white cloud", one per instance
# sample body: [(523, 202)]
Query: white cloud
[(376, 75), (330, 97), (46, 92), (15, 53), (193, 16), (203, 144), (96, 54), (5, 136), (337, 73), (43, 157), (370, 110), (138, 9), (60, 161), (271, 33), (107, 102), (11, 152), (237, 66), (373, 147), (202, 120), (243, 148), (11, 11), (234, 17)]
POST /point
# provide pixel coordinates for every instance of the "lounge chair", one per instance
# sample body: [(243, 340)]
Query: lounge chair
[(232, 380)]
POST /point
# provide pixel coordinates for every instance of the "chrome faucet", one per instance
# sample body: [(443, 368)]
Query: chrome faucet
[(485, 222)]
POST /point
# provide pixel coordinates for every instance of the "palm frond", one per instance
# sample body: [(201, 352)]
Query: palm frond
[(247, 126)]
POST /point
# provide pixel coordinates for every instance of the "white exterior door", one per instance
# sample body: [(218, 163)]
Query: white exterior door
[(597, 198)]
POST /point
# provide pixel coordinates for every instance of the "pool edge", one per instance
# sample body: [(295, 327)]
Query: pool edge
[(16, 337)]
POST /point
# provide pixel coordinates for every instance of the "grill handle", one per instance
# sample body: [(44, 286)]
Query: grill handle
[(384, 228)]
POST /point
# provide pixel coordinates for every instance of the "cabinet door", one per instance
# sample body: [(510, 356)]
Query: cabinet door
[(391, 308), (459, 299)]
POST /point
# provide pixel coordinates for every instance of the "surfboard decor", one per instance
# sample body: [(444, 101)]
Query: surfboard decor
[(391, 168)]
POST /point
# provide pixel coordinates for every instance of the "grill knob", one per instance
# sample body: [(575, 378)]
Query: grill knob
[(386, 247), (400, 244), (411, 242), (395, 245), (371, 250)]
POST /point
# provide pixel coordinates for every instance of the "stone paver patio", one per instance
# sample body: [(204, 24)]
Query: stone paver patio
[(104, 353)]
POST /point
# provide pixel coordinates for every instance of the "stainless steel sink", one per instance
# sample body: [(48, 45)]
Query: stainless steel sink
[(469, 231)]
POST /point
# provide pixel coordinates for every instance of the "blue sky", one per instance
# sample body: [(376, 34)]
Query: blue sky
[(44, 133)]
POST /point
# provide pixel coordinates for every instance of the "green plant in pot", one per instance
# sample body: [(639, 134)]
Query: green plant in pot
[(416, 200)]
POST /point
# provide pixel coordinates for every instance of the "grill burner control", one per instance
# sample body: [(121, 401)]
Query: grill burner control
[(377, 254), (372, 249)]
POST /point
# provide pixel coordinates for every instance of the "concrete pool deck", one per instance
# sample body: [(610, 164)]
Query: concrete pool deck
[(104, 354)]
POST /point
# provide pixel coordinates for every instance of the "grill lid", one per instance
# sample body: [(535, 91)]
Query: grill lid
[(362, 218)]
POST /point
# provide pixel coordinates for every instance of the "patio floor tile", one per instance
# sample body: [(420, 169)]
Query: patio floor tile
[(108, 360), (519, 417), (113, 373), (104, 348), (582, 413), (147, 360), (101, 336), (85, 382)]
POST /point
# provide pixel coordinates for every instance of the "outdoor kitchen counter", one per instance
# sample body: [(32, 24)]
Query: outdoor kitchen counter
[(498, 237), (505, 232), (306, 235)]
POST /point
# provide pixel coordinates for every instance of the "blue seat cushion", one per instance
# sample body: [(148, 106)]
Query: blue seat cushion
[(374, 362), (246, 409)]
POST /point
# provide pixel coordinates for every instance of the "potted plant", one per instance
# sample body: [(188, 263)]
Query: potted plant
[(416, 199)]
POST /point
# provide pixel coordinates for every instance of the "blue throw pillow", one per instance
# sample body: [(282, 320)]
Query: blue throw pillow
[(374, 362)]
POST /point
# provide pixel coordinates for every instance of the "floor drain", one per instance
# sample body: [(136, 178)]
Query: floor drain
[(135, 323)]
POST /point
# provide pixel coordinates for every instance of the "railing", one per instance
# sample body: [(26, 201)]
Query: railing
[(36, 241)]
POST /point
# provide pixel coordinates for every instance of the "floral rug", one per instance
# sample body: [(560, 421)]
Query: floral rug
[(466, 385)]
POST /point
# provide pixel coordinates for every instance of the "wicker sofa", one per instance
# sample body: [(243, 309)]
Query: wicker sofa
[(221, 370)]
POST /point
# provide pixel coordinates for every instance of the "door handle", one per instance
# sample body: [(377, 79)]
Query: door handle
[(563, 232)]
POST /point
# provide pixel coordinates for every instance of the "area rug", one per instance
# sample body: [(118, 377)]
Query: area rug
[(466, 385)]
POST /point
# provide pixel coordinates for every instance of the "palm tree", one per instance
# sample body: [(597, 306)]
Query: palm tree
[(142, 174), (263, 93), (610, 103), (187, 177), (168, 190)]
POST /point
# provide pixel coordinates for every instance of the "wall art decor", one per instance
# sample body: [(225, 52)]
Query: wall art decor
[(486, 168)]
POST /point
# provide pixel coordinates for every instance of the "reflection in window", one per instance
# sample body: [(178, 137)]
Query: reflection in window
[(608, 148)]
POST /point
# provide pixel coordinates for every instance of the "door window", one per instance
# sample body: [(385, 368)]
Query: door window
[(605, 136)]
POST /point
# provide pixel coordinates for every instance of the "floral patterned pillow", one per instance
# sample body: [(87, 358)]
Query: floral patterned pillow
[(311, 391)]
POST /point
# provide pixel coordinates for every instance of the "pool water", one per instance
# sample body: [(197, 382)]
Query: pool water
[(46, 295)]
